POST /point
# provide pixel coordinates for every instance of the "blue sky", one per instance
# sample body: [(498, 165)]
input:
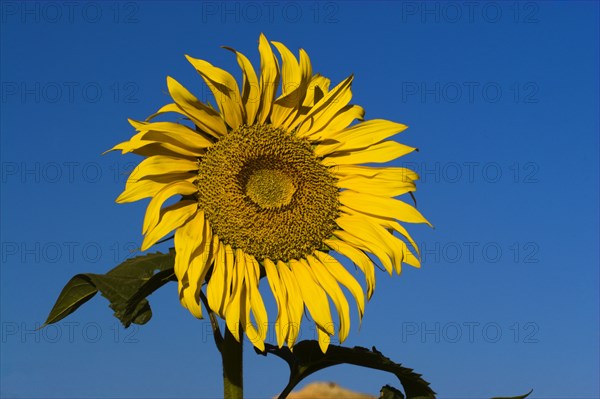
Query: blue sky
[(500, 97)]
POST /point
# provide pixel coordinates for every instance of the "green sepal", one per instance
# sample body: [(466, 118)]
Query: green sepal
[(126, 287)]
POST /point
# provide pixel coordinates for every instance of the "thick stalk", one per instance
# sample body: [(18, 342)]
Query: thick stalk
[(231, 353)]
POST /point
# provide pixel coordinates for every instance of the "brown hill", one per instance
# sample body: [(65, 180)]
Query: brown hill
[(327, 390)]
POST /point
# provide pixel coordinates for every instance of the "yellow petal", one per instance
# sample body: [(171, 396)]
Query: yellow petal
[(313, 296), (150, 148), (280, 294), (361, 136), (290, 70), (294, 302), (269, 78), (393, 246), (232, 313), (340, 121), (409, 257), (305, 70), (377, 153), (172, 217), (224, 88), (143, 144), (175, 133), (251, 332), (331, 287), (358, 234), (187, 239), (326, 109), (359, 258), (284, 112), (251, 89), (153, 143), (161, 165), (390, 173), (172, 107), (344, 277), (200, 263), (129, 145), (381, 206), (215, 291), (173, 145), (148, 187), (287, 109), (256, 303), (317, 88), (386, 222), (323, 339), (376, 185), (229, 278), (203, 116), (295, 81), (175, 188)]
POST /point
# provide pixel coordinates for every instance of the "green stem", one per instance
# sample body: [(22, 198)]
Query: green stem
[(231, 353)]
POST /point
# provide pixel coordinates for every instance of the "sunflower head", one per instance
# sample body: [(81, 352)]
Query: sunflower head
[(273, 184)]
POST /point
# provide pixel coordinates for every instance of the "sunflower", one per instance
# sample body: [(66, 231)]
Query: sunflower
[(270, 185)]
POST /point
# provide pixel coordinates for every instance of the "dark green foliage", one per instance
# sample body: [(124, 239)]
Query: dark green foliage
[(126, 287)]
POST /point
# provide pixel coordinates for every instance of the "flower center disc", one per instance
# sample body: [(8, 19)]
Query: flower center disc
[(270, 188), (264, 191)]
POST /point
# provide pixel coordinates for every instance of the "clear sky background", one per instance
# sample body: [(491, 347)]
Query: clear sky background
[(500, 97)]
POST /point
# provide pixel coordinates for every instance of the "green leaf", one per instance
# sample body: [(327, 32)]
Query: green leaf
[(77, 292), (126, 287), (515, 397), (389, 392), (307, 358)]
